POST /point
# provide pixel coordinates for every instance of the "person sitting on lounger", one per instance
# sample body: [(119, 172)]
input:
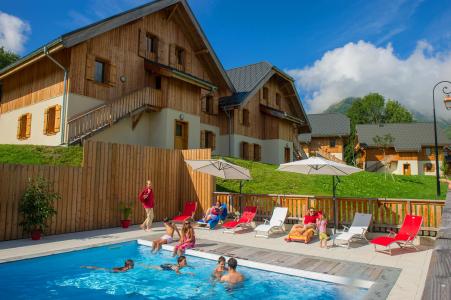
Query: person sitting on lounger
[(232, 276), (187, 240), (309, 222), (212, 213), (181, 263), (168, 237), (220, 268), (128, 265)]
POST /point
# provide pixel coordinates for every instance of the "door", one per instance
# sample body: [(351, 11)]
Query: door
[(181, 135), (287, 154), (406, 169)]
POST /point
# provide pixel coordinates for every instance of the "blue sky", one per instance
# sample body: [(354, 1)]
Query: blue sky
[(297, 36)]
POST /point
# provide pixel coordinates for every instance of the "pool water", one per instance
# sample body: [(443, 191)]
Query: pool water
[(60, 277)]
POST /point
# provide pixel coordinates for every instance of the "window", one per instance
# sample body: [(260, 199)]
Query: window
[(207, 139), (52, 120), (244, 150), (99, 74), (257, 152), (151, 43), (332, 143), (265, 93), (278, 100), (428, 151), (287, 154), (158, 82), (180, 56), (24, 126), (245, 117)]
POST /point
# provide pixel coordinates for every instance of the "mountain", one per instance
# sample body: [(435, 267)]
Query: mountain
[(342, 106)]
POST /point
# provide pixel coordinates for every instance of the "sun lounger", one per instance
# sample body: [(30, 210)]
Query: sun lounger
[(357, 230), (276, 223), (187, 214), (405, 236), (244, 221)]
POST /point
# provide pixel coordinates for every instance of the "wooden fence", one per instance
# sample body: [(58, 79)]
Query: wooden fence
[(387, 213), (111, 173)]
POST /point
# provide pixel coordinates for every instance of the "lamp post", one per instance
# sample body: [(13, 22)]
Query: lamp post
[(448, 106)]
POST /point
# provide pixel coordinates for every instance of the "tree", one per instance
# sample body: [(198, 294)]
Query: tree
[(7, 57), (383, 142), (396, 113)]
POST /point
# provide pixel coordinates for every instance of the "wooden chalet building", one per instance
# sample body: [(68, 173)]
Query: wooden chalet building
[(149, 76), (411, 153), (330, 132)]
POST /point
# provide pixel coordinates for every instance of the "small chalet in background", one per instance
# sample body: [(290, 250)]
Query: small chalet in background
[(330, 132), (411, 153)]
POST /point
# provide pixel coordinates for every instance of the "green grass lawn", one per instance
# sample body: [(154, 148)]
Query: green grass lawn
[(41, 155), (266, 180)]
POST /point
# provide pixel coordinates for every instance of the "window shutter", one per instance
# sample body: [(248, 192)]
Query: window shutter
[(250, 150), (112, 74), (202, 139), (188, 62), (242, 150), (172, 57), (46, 116), (57, 118), (142, 44), (240, 116), (28, 131), (215, 105), (19, 123), (213, 141), (162, 49), (90, 62), (204, 104)]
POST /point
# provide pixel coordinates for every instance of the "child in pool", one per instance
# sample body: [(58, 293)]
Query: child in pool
[(321, 224), (128, 265), (181, 263), (220, 268)]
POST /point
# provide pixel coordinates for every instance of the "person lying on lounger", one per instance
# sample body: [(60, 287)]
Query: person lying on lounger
[(220, 268), (128, 265), (232, 276), (309, 222), (167, 238), (181, 263)]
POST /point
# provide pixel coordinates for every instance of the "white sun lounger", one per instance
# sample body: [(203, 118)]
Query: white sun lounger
[(276, 223), (358, 229)]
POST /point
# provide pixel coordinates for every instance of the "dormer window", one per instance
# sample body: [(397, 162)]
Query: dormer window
[(278, 100), (152, 43), (180, 55)]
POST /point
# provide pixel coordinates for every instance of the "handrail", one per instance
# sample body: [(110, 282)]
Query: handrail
[(79, 116)]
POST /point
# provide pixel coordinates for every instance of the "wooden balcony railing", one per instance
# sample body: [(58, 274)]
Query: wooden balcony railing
[(94, 120)]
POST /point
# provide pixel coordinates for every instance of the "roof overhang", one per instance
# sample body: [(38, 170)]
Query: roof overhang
[(281, 115)]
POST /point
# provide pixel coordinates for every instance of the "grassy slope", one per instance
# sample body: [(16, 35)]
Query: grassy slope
[(364, 184), (36, 155)]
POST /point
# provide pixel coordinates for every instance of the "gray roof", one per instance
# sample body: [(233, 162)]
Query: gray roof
[(407, 136), (327, 124), (82, 34)]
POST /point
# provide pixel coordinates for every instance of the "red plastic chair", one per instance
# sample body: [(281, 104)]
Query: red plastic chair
[(188, 212), (245, 220), (404, 238)]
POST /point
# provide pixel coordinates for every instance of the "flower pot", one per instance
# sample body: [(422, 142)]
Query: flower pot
[(125, 223), (36, 234)]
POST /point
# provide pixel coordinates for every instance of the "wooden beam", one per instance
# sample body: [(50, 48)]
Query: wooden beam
[(202, 51), (136, 118), (172, 12)]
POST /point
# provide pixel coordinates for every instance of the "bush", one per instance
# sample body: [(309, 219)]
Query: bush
[(36, 205)]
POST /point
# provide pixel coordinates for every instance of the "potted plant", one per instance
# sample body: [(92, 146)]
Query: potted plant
[(126, 210), (36, 207)]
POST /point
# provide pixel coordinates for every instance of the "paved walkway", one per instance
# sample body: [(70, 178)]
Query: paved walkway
[(409, 285)]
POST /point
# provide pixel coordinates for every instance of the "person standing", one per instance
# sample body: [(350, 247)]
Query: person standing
[(147, 198)]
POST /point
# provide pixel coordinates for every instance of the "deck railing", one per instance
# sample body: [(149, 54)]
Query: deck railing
[(107, 114), (387, 213)]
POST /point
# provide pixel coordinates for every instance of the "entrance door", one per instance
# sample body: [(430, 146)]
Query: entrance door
[(287, 154), (406, 169), (181, 135)]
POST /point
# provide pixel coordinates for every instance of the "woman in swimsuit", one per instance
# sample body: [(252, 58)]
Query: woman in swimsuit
[(187, 241), (167, 238)]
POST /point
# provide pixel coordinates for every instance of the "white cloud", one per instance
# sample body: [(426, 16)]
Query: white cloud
[(357, 69), (13, 32)]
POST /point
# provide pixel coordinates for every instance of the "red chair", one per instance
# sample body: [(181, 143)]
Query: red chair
[(188, 212), (404, 238), (246, 219)]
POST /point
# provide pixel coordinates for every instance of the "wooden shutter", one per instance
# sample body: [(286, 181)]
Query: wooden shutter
[(19, 127), (90, 64), (213, 141), (240, 111), (215, 105), (172, 56), (204, 104), (28, 131), (46, 117), (202, 139), (242, 150), (142, 44), (250, 150), (162, 51), (188, 62), (57, 118), (111, 74)]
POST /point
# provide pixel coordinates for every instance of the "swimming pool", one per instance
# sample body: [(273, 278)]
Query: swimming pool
[(60, 277)]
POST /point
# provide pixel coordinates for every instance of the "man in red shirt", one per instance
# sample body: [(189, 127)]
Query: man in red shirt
[(309, 221), (147, 199)]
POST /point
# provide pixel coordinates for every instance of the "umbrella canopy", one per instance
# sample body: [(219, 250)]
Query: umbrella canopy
[(318, 166), (220, 168)]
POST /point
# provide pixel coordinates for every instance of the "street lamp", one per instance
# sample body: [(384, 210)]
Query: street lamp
[(447, 101)]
